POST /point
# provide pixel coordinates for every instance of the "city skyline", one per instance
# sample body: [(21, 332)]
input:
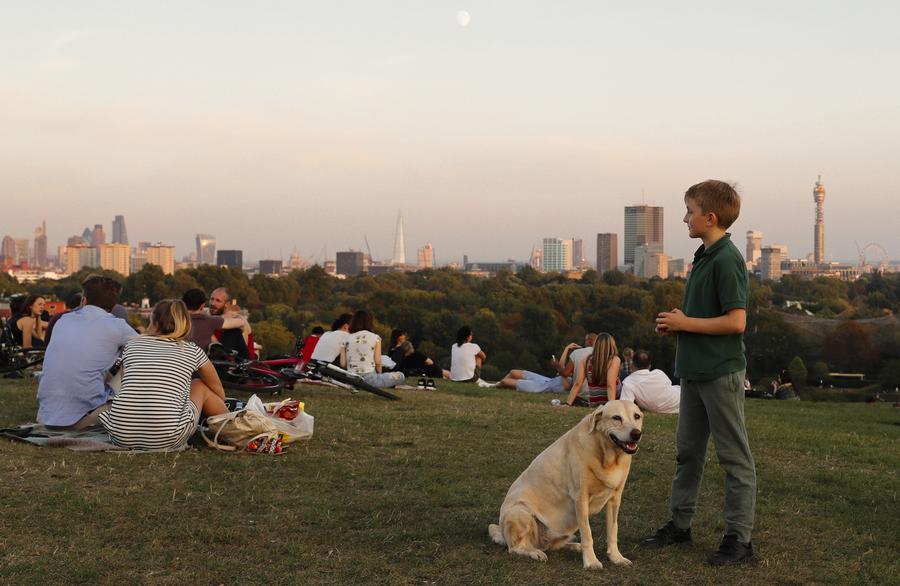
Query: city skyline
[(541, 117)]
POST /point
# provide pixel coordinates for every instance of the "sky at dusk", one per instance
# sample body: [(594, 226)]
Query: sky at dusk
[(308, 125)]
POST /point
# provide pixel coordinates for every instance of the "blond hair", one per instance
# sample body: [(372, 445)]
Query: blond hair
[(717, 197), (604, 351), (170, 320)]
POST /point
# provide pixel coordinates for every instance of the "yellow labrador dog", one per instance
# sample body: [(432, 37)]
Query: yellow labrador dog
[(572, 479)]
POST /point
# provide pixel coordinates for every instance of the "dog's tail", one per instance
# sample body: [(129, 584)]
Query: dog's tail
[(496, 534)]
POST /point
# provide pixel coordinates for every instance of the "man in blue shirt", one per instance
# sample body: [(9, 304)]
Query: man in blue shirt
[(73, 389)]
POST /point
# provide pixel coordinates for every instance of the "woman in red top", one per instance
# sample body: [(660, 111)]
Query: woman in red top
[(601, 369)]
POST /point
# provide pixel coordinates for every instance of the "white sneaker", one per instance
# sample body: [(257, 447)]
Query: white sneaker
[(484, 384)]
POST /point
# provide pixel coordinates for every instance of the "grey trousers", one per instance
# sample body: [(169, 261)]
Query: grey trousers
[(715, 407)]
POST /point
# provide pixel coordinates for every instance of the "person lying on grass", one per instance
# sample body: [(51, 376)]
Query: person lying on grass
[(159, 406)]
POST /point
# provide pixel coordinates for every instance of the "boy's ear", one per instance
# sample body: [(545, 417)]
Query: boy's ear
[(712, 219)]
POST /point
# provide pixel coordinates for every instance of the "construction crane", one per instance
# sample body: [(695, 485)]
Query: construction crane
[(368, 249)]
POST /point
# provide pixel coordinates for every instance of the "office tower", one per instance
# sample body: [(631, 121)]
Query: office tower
[(426, 257), (399, 257), (22, 251), (163, 256), (754, 246), (98, 236), (556, 254), (607, 252), (677, 268), (578, 260), (350, 263), (116, 257), (8, 250), (770, 261), (230, 258), (81, 256), (819, 230), (270, 267), (87, 236), (536, 260), (643, 225), (119, 233), (650, 261), (40, 245), (206, 249)]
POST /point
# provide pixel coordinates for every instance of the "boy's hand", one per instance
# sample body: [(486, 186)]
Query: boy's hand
[(669, 322)]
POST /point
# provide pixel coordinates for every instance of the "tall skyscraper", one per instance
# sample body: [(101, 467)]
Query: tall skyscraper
[(399, 257), (556, 254), (98, 236), (754, 246), (230, 258), (426, 257), (40, 245), (22, 251), (607, 252), (120, 234), (643, 225), (163, 256), (8, 250), (206, 249), (819, 231), (578, 260), (88, 236), (116, 257)]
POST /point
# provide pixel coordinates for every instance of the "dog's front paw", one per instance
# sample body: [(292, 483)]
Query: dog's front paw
[(538, 555), (619, 560), (593, 564)]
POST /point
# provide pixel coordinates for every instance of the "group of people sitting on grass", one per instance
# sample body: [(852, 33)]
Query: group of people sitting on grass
[(594, 373), (352, 344), (167, 381)]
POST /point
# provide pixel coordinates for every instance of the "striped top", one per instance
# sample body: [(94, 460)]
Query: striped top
[(153, 409)]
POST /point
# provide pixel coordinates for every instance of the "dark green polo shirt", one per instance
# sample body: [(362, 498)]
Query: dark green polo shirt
[(717, 284)]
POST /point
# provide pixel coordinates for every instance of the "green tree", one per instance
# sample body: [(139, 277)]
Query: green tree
[(273, 337)]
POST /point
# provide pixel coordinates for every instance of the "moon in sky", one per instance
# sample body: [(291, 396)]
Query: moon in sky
[(463, 18)]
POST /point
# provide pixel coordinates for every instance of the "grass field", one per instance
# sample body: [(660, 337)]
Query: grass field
[(402, 493)]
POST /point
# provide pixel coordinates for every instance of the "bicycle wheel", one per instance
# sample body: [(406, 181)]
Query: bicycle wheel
[(359, 383), (21, 361), (250, 381)]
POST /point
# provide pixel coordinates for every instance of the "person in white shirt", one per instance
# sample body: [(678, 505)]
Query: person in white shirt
[(329, 346), (466, 358), (651, 390), (361, 353)]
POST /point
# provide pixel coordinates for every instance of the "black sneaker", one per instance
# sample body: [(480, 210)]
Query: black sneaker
[(667, 535), (732, 551)]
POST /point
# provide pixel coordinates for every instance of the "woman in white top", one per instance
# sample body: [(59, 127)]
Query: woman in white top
[(159, 406), (361, 353), (466, 358)]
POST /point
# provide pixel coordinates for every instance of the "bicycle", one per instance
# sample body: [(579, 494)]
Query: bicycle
[(318, 370), (243, 374), (14, 358)]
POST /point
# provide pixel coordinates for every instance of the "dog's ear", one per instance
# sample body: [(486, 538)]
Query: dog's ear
[(596, 416)]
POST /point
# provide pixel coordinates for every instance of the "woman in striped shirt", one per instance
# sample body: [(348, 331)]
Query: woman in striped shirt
[(159, 406)]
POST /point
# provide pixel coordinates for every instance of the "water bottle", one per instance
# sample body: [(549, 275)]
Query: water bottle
[(556, 402)]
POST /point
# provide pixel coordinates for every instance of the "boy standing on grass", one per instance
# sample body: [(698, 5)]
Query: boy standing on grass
[(711, 364)]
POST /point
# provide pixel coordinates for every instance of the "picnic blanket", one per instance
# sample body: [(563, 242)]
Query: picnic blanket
[(92, 440)]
